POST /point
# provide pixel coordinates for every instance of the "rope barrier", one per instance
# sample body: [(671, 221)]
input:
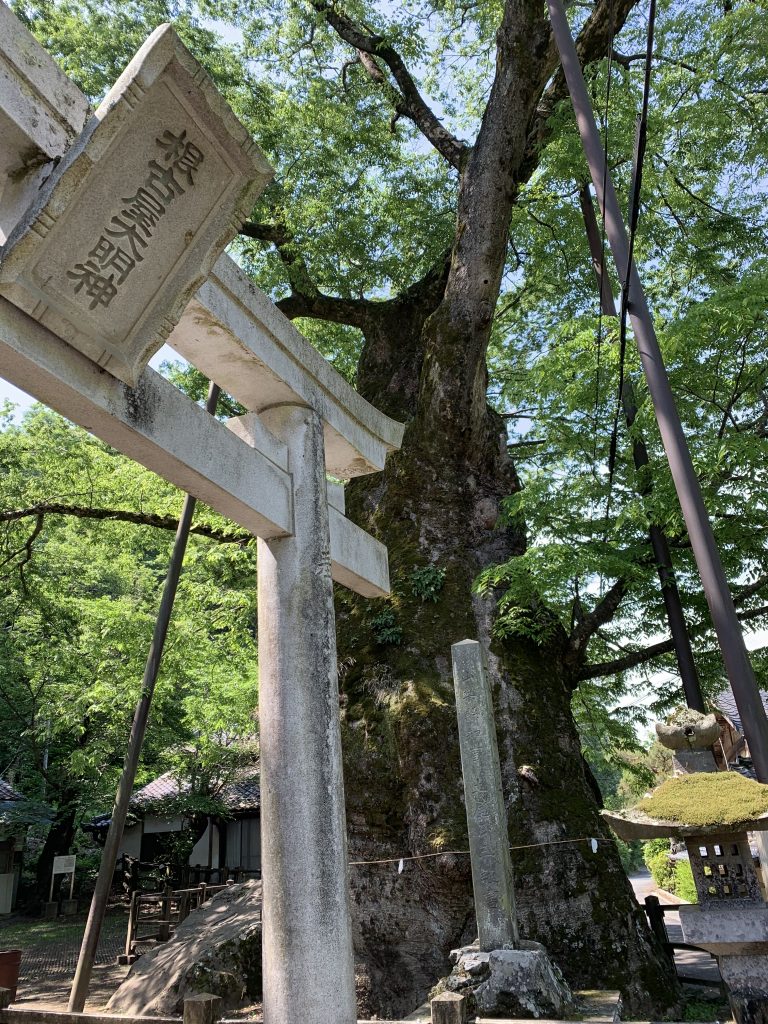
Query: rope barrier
[(466, 853)]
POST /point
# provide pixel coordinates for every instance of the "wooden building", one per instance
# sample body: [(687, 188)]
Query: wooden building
[(231, 839)]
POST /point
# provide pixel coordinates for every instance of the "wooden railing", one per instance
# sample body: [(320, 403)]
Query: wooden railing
[(156, 916)]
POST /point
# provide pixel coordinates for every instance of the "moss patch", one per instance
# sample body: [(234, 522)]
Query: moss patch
[(707, 798)]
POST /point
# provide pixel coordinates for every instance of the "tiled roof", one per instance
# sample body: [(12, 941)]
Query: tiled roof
[(726, 703), (8, 792), (243, 794)]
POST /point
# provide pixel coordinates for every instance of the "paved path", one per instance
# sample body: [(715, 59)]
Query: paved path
[(689, 963)]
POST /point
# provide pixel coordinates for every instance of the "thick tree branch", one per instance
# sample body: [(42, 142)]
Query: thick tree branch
[(636, 658), (306, 299), (118, 515), (589, 624), (405, 96)]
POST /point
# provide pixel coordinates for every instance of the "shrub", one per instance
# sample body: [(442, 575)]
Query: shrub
[(656, 857), (685, 887)]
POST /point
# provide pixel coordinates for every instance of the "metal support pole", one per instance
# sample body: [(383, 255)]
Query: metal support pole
[(669, 592), (713, 580), (90, 942)]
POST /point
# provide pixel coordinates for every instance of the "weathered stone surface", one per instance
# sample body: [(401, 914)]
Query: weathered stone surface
[(308, 955), (236, 335), (688, 730), (740, 928), (41, 114), (522, 983), (484, 800), (129, 224), (747, 981), (217, 949)]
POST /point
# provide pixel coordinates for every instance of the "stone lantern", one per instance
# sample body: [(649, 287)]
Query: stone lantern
[(712, 812)]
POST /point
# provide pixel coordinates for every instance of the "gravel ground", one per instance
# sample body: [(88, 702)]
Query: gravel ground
[(49, 957)]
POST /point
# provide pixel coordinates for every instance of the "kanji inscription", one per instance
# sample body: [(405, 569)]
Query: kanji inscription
[(120, 246), (130, 223)]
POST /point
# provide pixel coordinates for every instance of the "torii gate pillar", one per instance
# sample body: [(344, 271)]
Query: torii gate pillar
[(306, 916)]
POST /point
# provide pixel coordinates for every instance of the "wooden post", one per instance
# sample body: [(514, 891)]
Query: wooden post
[(5, 998), (132, 919), (204, 1008), (90, 942), (164, 927), (656, 921), (449, 1008)]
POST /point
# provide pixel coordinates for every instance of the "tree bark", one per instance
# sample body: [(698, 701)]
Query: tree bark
[(437, 503), (61, 835)]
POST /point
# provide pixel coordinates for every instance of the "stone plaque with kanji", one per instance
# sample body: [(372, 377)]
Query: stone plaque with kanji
[(140, 208)]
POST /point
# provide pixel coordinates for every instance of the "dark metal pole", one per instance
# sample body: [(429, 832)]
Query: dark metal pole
[(714, 582), (87, 956), (671, 595)]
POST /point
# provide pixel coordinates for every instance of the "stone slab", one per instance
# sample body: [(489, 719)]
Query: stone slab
[(129, 224), (41, 114), (236, 335), (154, 424), (486, 814), (739, 929), (631, 825)]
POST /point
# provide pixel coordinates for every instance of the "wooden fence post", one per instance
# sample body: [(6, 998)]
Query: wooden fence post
[(204, 1008), (449, 1008), (656, 921)]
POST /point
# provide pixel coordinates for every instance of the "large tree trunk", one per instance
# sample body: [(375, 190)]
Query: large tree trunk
[(61, 835), (437, 504)]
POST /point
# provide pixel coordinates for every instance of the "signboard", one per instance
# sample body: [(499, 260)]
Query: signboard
[(132, 220), (64, 865)]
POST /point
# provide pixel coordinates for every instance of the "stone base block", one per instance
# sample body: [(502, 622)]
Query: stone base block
[(747, 980), (521, 983), (69, 907), (727, 931), (51, 910)]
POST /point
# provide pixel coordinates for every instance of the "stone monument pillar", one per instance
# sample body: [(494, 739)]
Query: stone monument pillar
[(486, 815), (499, 975), (307, 934)]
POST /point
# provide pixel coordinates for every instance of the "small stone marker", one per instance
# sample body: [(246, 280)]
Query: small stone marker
[(486, 814), (204, 1008), (130, 223), (449, 1008)]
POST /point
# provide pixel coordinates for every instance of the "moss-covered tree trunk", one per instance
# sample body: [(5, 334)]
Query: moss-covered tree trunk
[(437, 508)]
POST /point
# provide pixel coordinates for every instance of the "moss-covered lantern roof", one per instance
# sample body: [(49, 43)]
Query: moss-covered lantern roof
[(692, 805)]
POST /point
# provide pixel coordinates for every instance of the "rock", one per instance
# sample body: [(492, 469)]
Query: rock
[(217, 949), (522, 983)]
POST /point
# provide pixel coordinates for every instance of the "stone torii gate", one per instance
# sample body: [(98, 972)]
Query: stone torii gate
[(113, 226)]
